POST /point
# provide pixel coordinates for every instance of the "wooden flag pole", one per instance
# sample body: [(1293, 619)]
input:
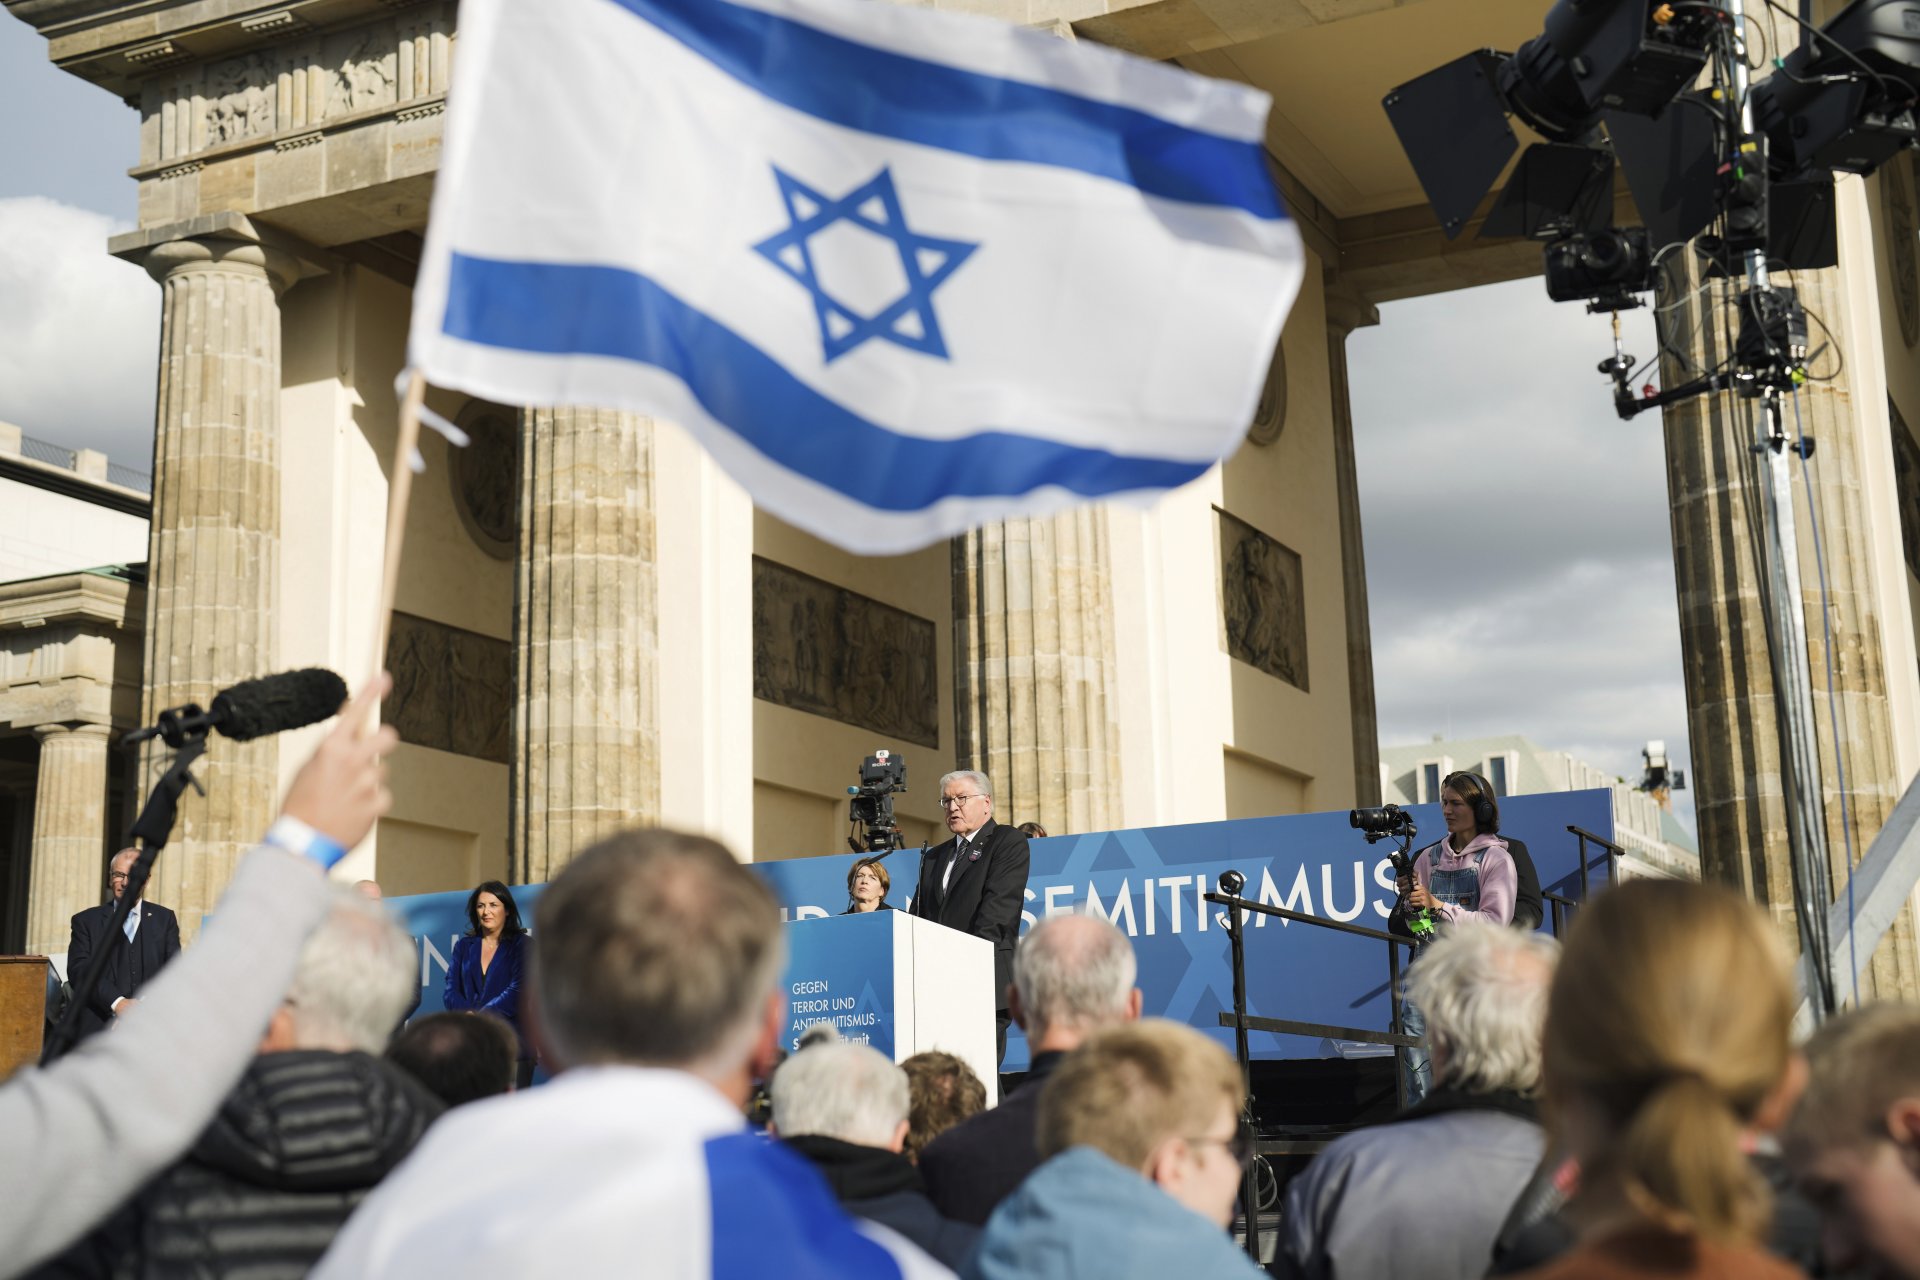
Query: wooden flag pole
[(399, 494)]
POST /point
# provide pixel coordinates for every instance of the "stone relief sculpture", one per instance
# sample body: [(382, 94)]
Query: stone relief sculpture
[(486, 477), (832, 652), (239, 100), (1906, 480), (361, 75), (1266, 624), (452, 689), (1900, 204)]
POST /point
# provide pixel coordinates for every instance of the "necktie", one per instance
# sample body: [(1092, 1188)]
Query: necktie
[(133, 922)]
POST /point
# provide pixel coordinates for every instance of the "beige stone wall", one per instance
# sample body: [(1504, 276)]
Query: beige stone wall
[(1205, 736), (344, 337), (804, 763)]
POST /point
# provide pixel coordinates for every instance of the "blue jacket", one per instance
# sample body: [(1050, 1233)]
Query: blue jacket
[(1082, 1216), (498, 991)]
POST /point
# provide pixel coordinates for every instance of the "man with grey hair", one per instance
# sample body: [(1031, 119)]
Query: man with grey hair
[(977, 881), (1072, 976), (1427, 1193), (656, 1000), (314, 1124), (844, 1107)]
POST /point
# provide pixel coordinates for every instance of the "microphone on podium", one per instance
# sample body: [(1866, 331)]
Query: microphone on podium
[(255, 708)]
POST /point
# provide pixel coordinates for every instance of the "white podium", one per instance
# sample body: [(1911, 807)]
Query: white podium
[(902, 984)]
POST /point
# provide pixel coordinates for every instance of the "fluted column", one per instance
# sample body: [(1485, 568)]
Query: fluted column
[(1345, 313), (214, 550), (69, 831), (1034, 698), (586, 734), (1717, 491)]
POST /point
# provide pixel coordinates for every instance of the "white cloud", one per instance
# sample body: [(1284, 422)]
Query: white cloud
[(79, 332), (1519, 553)]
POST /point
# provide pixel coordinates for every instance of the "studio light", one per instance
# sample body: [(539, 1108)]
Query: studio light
[(1628, 56), (1844, 100)]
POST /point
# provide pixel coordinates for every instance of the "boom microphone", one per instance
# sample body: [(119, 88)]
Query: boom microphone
[(255, 708)]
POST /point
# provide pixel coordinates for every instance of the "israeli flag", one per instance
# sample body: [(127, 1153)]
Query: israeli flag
[(901, 271)]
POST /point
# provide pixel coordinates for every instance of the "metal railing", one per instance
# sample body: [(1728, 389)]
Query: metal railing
[(128, 478), (1242, 1022), (51, 454)]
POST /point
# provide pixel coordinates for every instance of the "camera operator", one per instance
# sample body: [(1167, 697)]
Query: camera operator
[(1471, 875)]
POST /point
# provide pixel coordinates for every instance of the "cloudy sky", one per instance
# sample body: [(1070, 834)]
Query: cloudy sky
[(1520, 573)]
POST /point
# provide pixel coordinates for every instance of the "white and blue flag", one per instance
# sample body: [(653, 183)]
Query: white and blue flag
[(901, 271)]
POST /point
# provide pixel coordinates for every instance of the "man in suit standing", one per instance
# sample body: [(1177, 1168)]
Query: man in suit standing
[(977, 881), (149, 938)]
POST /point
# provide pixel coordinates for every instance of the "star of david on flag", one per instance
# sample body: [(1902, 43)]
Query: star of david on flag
[(925, 262), (900, 271)]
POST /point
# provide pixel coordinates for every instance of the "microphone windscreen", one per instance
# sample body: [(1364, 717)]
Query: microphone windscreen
[(275, 704)]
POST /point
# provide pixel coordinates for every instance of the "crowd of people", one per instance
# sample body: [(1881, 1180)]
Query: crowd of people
[(1628, 1102)]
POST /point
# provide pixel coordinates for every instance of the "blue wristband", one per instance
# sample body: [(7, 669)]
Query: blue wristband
[(296, 836)]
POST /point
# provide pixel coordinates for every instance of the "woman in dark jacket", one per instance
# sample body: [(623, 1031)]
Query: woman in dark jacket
[(867, 885), (490, 963)]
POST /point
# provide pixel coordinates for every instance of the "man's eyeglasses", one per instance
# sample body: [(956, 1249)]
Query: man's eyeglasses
[(1240, 1146), (117, 875), (954, 802)]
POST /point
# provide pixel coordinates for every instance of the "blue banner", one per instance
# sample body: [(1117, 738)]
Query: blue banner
[(1150, 882), (841, 971)]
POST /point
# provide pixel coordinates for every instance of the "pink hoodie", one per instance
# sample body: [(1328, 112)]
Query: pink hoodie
[(1499, 881)]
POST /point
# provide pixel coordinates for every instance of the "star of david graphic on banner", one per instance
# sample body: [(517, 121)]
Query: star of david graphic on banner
[(927, 261)]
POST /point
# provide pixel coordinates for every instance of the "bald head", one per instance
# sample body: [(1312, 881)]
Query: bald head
[(1072, 976)]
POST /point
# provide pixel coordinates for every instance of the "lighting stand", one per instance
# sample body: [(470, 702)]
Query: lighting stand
[(1765, 379), (1787, 652)]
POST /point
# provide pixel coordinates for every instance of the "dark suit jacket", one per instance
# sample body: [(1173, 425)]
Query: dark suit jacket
[(157, 942), (988, 890), (975, 1165), (498, 990)]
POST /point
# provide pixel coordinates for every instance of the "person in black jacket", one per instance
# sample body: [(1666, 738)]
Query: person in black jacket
[(1072, 976), (977, 881), (844, 1107), (315, 1123), (155, 939)]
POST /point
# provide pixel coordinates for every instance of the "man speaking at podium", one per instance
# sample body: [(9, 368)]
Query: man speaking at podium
[(977, 881)]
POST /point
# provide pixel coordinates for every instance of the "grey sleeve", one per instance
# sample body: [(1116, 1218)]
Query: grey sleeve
[(86, 1133)]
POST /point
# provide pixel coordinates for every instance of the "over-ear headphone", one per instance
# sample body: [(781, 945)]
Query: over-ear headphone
[(1484, 812)]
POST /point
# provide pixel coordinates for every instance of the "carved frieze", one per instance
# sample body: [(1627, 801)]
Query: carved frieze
[(1906, 479), (239, 99), (295, 84), (821, 648), (452, 689), (485, 477), (360, 70), (1264, 607), (1900, 205)]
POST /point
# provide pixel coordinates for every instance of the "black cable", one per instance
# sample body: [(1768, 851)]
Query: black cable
[(1913, 94)]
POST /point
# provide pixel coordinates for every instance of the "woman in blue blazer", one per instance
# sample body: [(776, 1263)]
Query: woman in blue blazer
[(490, 963)]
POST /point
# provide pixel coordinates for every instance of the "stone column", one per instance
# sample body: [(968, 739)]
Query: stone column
[(1717, 490), (1345, 313), (214, 551), (69, 832), (586, 638), (1034, 669)]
